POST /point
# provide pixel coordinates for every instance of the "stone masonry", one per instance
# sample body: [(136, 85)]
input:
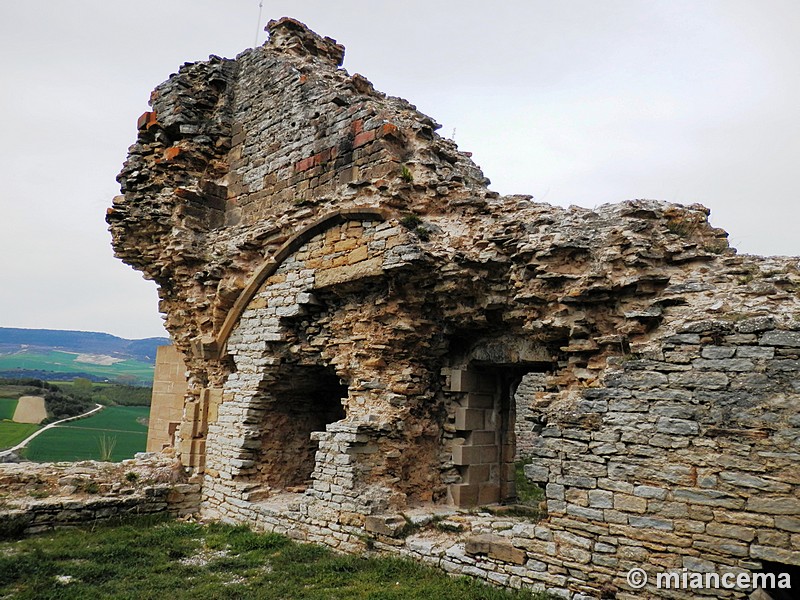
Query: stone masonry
[(372, 338), (169, 391), (39, 497)]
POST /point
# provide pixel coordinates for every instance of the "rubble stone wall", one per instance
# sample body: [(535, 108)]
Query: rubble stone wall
[(275, 164), (373, 338), (527, 420), (40, 497)]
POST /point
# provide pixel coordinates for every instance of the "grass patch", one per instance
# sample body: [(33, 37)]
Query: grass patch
[(745, 279), (414, 224), (446, 526), (530, 498), (81, 439), (12, 433), (189, 561), (107, 444), (716, 246), (406, 174), (7, 408), (682, 226), (411, 222), (528, 493)]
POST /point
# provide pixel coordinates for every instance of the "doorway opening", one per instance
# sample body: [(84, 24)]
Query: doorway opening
[(485, 417), (305, 399)]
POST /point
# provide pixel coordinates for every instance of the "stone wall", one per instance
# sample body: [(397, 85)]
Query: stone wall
[(372, 337), (40, 497), (527, 421), (686, 458)]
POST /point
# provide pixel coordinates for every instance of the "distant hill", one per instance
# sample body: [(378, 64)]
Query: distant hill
[(87, 342), (63, 355)]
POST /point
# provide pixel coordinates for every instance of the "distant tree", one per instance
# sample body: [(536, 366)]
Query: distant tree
[(126, 379), (61, 405), (82, 388), (123, 395)]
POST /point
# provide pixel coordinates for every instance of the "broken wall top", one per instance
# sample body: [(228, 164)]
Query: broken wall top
[(238, 156)]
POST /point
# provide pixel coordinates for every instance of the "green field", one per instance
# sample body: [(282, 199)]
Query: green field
[(12, 433), (7, 408), (64, 362), (80, 440)]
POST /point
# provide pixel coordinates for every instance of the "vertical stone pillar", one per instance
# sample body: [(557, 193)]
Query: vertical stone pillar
[(485, 458), (526, 429), (197, 416), (169, 392)]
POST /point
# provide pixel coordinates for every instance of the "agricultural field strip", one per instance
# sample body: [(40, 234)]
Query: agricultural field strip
[(13, 433), (24, 442), (64, 444), (116, 417), (119, 425), (64, 362), (103, 429), (7, 407)]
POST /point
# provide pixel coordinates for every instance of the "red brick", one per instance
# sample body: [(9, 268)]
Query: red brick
[(323, 157), (304, 165), (389, 130), (147, 120), (172, 152), (363, 138)]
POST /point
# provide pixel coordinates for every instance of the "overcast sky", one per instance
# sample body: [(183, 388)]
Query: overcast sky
[(575, 102)]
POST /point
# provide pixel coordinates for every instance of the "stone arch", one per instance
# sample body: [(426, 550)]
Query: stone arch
[(283, 423), (290, 246)]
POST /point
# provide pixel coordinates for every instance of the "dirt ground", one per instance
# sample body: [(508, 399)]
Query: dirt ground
[(30, 409)]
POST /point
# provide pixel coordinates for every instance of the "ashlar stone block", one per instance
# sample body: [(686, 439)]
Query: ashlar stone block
[(468, 419)]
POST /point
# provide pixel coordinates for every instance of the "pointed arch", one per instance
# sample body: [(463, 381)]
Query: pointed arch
[(290, 246)]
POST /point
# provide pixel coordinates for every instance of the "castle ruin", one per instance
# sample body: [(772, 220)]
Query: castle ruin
[(373, 340)]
